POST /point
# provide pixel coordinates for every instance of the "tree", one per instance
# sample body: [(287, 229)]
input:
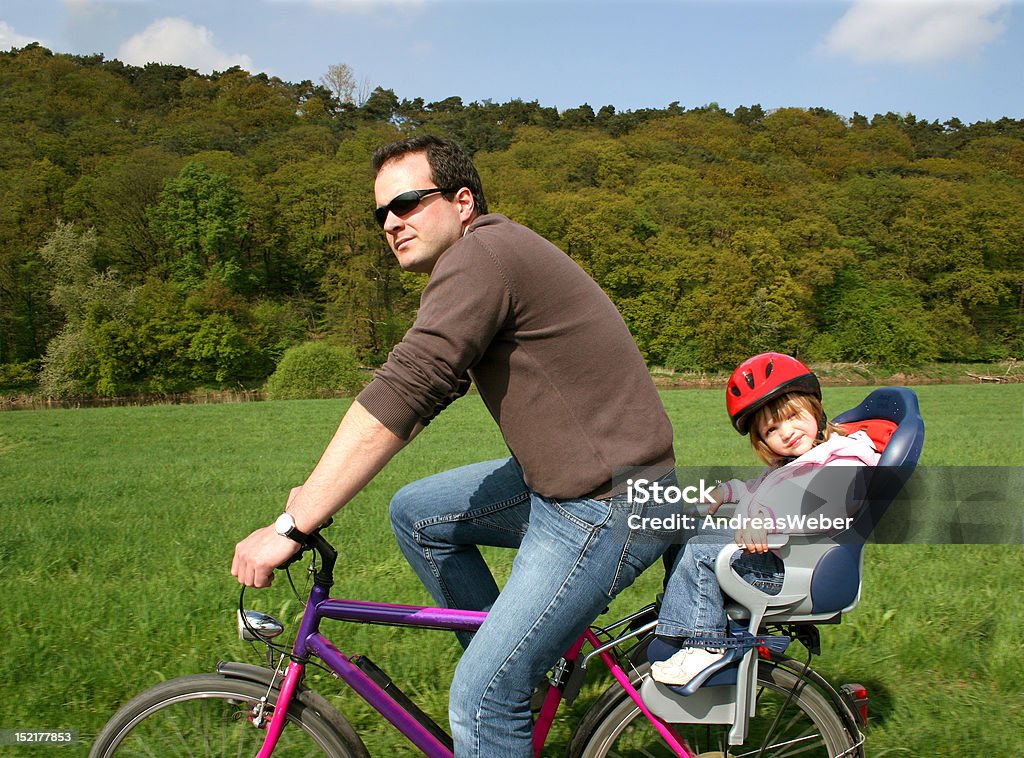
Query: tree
[(579, 116), (881, 322), (116, 198), (73, 364), (202, 217), (341, 80), (753, 116), (715, 234)]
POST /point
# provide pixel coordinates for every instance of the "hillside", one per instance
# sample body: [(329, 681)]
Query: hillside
[(162, 230)]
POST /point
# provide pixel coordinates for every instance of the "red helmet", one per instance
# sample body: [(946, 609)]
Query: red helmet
[(760, 379)]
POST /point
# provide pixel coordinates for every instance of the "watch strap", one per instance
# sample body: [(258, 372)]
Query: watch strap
[(292, 532), (297, 536)]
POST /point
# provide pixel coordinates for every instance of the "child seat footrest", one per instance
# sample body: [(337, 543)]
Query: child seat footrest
[(736, 644)]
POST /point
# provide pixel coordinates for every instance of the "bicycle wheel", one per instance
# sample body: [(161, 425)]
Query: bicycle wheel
[(209, 715), (809, 725)]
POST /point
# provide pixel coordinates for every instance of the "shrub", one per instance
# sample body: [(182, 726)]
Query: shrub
[(315, 370), (18, 376), (68, 368), (883, 323)]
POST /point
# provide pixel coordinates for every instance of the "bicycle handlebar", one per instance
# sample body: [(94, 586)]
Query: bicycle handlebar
[(324, 575)]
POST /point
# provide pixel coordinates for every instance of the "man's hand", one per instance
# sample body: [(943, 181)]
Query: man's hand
[(359, 449), (259, 554)]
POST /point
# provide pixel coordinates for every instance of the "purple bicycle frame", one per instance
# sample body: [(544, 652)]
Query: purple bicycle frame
[(310, 641)]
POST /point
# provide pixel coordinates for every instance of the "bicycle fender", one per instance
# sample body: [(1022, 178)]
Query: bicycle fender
[(250, 673)]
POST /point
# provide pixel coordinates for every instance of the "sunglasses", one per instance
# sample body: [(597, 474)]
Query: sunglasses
[(404, 203)]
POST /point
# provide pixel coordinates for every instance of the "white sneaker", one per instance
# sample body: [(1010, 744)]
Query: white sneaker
[(685, 665)]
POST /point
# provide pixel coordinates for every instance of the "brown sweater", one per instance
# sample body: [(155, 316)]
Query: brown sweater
[(551, 356)]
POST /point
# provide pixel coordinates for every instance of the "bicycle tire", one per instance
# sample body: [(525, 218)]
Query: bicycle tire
[(614, 726), (208, 715)]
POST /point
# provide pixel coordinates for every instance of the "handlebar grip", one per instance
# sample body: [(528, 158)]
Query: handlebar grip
[(303, 549), (296, 557)]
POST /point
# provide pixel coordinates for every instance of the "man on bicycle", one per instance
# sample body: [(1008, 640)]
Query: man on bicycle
[(561, 375)]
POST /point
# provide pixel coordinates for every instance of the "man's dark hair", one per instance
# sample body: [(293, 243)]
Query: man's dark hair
[(450, 165)]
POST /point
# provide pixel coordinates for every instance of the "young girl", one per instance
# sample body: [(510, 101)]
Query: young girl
[(777, 399)]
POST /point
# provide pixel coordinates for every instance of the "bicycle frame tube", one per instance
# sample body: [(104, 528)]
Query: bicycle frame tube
[(310, 641), (623, 679), (546, 717), (378, 699), (291, 681)]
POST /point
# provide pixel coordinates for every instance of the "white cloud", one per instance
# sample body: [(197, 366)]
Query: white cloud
[(10, 38), (915, 31), (179, 42)]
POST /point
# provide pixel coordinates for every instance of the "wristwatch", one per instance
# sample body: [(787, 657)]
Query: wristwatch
[(285, 526)]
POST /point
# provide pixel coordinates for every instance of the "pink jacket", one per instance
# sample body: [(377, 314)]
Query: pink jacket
[(816, 488)]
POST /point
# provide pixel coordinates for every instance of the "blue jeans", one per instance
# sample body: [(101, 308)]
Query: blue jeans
[(574, 557), (693, 605)]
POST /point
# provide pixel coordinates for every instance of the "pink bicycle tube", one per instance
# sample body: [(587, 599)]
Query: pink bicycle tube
[(620, 676), (284, 699)]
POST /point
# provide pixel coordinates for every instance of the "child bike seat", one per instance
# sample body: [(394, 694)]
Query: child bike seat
[(822, 573)]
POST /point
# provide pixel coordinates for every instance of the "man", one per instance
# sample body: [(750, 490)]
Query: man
[(561, 375)]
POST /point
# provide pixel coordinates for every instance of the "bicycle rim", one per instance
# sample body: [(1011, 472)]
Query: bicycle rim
[(804, 725), (205, 716)]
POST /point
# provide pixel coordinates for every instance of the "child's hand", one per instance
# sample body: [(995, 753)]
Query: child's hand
[(753, 540), (717, 498)]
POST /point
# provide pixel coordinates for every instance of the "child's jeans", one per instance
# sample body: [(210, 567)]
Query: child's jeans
[(693, 605)]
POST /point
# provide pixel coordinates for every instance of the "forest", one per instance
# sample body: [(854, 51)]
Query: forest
[(163, 230)]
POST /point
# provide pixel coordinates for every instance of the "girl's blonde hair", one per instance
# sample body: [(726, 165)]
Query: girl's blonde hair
[(780, 408)]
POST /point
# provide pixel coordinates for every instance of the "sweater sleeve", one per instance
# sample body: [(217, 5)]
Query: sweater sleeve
[(742, 490), (463, 307)]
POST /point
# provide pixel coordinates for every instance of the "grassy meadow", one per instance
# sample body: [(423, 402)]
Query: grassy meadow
[(117, 528)]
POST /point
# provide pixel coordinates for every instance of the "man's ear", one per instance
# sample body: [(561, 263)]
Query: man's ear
[(466, 204)]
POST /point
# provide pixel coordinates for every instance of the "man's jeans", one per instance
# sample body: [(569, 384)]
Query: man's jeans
[(693, 605), (574, 556)]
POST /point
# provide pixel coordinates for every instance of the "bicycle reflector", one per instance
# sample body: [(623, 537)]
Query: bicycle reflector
[(856, 696)]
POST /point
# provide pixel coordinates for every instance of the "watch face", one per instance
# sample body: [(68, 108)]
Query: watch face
[(284, 524)]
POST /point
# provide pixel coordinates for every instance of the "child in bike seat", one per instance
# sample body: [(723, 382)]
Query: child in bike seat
[(777, 400)]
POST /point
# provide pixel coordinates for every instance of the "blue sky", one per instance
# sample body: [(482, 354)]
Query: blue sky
[(935, 59)]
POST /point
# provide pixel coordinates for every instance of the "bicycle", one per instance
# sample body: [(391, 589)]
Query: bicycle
[(764, 704), (243, 709)]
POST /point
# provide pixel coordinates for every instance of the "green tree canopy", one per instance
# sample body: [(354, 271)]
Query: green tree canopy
[(162, 228)]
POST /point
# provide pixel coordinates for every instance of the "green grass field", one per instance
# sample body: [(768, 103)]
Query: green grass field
[(117, 528)]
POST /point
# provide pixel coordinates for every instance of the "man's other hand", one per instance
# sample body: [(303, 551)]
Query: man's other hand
[(259, 554)]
